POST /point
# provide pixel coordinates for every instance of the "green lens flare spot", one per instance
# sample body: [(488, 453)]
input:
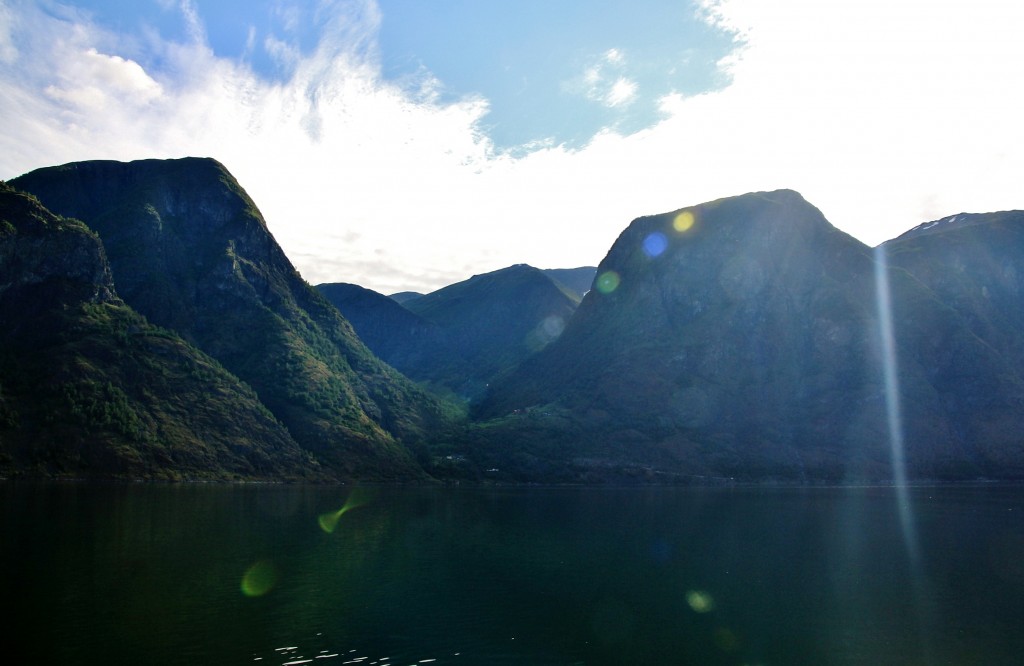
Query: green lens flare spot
[(608, 282), (700, 601), (329, 521), (259, 579)]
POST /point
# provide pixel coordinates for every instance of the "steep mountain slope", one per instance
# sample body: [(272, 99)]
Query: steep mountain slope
[(742, 338), (975, 264), (89, 388), (396, 335), (189, 250)]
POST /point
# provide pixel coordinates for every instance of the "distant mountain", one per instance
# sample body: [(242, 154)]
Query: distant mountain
[(576, 280), (396, 335), (464, 335), (974, 263), (491, 323), (88, 388), (403, 296), (189, 250), (741, 338), (954, 223)]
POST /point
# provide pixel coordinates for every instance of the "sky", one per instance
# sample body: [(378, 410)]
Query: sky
[(406, 144)]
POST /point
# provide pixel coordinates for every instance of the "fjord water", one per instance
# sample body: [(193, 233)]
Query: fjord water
[(291, 574)]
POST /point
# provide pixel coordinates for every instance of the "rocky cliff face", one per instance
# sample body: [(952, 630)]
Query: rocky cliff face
[(89, 388), (51, 258), (189, 250), (742, 338)]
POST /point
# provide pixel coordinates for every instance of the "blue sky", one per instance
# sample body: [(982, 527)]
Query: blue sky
[(555, 71), (406, 145), (551, 72)]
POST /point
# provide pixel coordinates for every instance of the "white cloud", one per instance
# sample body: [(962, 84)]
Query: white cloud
[(622, 92), (602, 81), (193, 24), (882, 114), (93, 82), (614, 56)]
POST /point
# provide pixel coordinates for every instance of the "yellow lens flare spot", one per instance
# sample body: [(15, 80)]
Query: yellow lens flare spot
[(329, 521), (259, 579), (607, 282), (683, 222), (700, 601)]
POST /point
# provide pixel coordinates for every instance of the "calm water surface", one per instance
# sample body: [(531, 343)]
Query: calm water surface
[(143, 574)]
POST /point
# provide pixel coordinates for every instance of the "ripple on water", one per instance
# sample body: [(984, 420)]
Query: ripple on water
[(293, 655)]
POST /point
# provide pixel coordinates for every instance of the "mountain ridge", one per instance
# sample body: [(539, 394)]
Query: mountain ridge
[(89, 388), (189, 249), (739, 338), (744, 339)]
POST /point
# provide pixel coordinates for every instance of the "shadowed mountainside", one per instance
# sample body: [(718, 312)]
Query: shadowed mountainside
[(395, 334), (744, 338), (575, 280), (189, 250), (89, 388), (464, 335), (741, 338)]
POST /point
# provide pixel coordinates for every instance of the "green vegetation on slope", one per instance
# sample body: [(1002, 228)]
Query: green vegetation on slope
[(189, 250), (90, 388)]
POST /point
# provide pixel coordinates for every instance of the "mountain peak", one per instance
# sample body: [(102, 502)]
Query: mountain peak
[(958, 221), (189, 250)]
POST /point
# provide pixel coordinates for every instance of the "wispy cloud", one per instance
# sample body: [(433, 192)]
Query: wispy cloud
[(603, 80), (622, 92)]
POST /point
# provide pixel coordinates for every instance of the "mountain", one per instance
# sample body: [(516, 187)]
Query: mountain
[(462, 336), (190, 251), (973, 264), (88, 388), (403, 296), (396, 335), (491, 322), (744, 338), (576, 280)]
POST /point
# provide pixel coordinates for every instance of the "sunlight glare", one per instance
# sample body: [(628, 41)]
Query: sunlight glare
[(892, 397), (894, 416)]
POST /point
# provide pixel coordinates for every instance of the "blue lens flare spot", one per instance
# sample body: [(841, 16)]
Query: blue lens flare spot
[(655, 244)]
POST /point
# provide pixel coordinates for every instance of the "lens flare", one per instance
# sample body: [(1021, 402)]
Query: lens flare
[(655, 244), (894, 414), (607, 282), (259, 579), (329, 521), (890, 377), (683, 222), (700, 601)]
